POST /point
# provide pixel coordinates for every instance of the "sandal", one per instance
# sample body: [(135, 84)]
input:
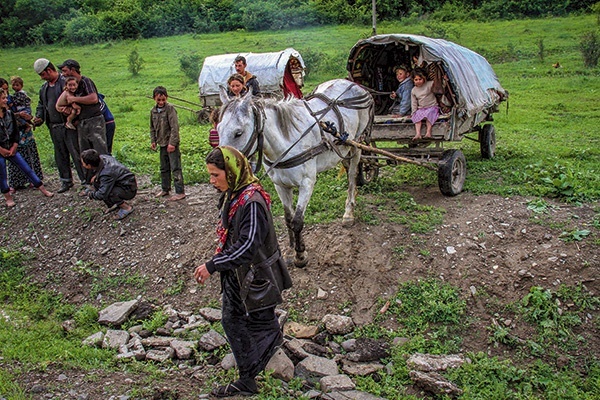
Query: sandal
[(122, 213), (230, 390)]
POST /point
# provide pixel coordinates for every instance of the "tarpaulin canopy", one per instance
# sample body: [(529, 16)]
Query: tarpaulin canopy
[(268, 68), (474, 81)]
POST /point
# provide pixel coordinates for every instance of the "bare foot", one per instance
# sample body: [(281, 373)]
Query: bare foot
[(46, 192), (10, 203), (427, 136), (417, 137), (162, 193), (177, 197)]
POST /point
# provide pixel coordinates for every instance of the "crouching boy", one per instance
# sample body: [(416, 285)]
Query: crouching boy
[(112, 182)]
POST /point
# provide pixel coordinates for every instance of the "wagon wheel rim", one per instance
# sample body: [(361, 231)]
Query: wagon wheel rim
[(458, 174)]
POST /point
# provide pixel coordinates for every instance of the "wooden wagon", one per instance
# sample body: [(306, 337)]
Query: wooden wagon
[(468, 93)]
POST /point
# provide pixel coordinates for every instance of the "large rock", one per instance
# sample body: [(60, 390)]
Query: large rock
[(160, 355), (361, 369), (184, 349), (367, 349), (313, 368), (300, 331), (336, 383), (210, 314), (114, 339), (435, 383), (157, 341), (429, 362), (94, 340), (211, 340), (281, 365), (117, 313), (295, 347), (338, 324), (350, 395)]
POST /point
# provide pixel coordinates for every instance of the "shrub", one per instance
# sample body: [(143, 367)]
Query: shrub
[(190, 65), (590, 49), (136, 62)]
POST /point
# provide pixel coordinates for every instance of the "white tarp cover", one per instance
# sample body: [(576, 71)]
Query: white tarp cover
[(472, 77), (268, 68)]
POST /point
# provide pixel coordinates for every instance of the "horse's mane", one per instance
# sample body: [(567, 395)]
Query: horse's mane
[(290, 111)]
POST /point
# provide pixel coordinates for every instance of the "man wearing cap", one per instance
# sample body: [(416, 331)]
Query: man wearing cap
[(91, 126), (64, 140)]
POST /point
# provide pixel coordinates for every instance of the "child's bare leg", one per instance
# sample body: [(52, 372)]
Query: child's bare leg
[(9, 200), (429, 126), (45, 191), (418, 129), (70, 118)]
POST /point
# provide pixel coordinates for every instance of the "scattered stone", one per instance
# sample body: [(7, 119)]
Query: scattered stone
[(435, 383), (400, 341), (113, 339), (315, 349), (349, 345), (184, 349), (211, 340), (68, 325), (429, 362), (321, 294), (228, 362), (160, 355), (300, 331), (281, 365), (369, 350), (336, 383), (294, 346), (117, 313), (350, 395), (158, 341), (338, 324), (450, 250), (94, 340), (313, 368), (361, 369), (210, 314)]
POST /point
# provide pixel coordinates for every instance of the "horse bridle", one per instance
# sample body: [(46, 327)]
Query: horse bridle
[(257, 137)]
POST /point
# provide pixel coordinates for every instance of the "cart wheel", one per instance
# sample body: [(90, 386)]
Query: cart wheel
[(367, 173), (487, 141), (452, 172)]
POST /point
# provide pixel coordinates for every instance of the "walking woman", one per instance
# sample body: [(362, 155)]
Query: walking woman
[(9, 140), (250, 266)]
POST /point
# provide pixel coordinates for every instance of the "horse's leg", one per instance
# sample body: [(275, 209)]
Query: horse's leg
[(352, 168), (286, 195), (304, 193)]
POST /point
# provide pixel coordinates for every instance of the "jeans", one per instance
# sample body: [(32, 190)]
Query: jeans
[(65, 145), (92, 134), (20, 162), (170, 163)]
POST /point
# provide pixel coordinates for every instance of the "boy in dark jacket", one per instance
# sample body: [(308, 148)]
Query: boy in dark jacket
[(164, 133), (112, 181)]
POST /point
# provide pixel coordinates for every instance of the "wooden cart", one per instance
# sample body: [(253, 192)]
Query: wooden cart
[(468, 93)]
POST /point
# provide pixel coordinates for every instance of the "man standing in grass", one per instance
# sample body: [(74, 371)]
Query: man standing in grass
[(64, 140)]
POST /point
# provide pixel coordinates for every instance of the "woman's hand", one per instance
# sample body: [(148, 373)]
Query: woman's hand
[(201, 274)]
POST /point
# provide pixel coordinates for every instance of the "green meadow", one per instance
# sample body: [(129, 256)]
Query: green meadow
[(547, 132), (548, 145)]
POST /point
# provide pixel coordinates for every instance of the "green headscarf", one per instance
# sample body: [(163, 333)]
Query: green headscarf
[(237, 170)]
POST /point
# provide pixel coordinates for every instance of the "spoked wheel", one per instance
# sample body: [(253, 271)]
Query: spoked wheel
[(487, 141), (452, 172), (367, 172)]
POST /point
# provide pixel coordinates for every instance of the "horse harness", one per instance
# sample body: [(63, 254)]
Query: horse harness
[(354, 103)]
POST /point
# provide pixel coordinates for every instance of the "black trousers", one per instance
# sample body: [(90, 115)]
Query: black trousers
[(252, 336), (66, 148)]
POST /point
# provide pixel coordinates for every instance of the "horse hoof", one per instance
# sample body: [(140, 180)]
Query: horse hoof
[(347, 221), (301, 263)]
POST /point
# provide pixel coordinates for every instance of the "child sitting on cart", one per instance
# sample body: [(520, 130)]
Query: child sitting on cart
[(423, 103)]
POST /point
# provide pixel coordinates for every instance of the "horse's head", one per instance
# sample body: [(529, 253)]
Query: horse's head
[(238, 126)]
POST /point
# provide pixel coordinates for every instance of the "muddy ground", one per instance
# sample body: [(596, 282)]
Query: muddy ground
[(495, 247)]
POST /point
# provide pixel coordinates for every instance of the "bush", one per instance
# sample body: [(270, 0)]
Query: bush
[(590, 49), (136, 62), (190, 65)]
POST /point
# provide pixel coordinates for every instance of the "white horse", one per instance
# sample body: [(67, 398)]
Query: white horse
[(294, 146)]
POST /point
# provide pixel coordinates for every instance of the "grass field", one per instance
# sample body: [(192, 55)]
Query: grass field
[(548, 145), (547, 135)]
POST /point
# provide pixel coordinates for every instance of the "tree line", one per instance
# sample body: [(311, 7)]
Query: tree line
[(25, 22)]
